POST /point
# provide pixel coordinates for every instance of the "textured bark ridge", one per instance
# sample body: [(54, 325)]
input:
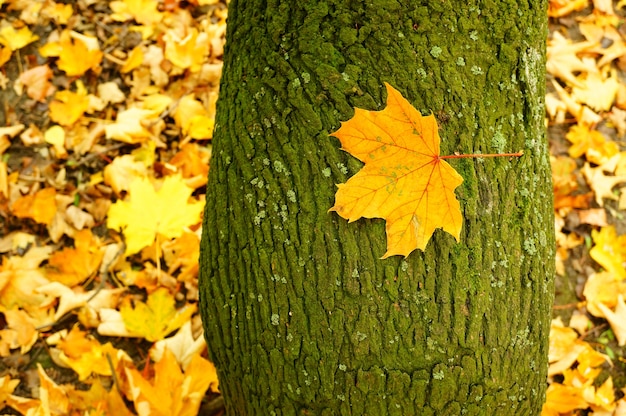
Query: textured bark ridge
[(301, 315)]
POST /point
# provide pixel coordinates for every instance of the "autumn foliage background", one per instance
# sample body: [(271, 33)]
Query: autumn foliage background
[(107, 115)]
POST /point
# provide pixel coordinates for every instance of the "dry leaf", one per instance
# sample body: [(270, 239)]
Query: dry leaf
[(16, 39), (404, 180), (41, 206), (37, 82), (601, 184), (148, 213), (617, 319), (68, 107), (183, 345), (77, 53), (171, 393), (86, 356), (144, 12), (156, 318)]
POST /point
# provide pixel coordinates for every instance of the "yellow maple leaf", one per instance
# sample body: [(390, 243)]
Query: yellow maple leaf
[(597, 90), (7, 386), (86, 356), (188, 50), (129, 125), (562, 399), (193, 118), (77, 53), (603, 287), (591, 143), (609, 251), (68, 107), (144, 12), (123, 171), (98, 401), (404, 179), (156, 318), (171, 392), (16, 39), (166, 212)]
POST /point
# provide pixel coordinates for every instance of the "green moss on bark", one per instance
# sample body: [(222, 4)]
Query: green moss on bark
[(301, 315)]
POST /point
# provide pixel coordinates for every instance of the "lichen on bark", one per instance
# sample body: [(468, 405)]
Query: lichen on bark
[(300, 313)]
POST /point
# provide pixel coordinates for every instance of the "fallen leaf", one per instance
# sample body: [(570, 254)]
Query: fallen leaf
[(144, 12), (617, 319), (601, 184), (156, 318), (563, 60), (560, 8), (609, 251), (86, 356), (16, 39), (404, 180), (591, 143), (55, 136), (597, 90), (193, 119), (134, 59), (41, 206), (7, 386), (562, 400), (171, 392), (129, 125), (68, 107), (166, 212), (72, 266), (123, 171), (20, 276), (97, 401), (77, 53), (19, 333), (584, 115), (593, 216), (187, 50), (183, 345), (37, 82)]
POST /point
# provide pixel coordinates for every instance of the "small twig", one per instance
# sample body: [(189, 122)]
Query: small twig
[(481, 155), (116, 382), (90, 156)]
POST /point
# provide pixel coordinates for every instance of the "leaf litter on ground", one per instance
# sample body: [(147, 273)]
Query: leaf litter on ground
[(104, 154)]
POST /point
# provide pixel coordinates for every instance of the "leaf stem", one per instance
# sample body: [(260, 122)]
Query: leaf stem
[(479, 155)]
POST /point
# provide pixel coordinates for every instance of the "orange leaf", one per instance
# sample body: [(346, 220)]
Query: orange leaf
[(71, 266), (404, 179), (86, 355), (41, 206), (172, 392)]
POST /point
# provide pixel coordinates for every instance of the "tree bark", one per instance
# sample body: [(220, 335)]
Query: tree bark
[(301, 315)]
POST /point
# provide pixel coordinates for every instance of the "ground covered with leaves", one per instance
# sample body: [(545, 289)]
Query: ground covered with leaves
[(107, 115)]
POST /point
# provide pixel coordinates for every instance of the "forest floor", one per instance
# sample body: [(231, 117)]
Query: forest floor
[(107, 112)]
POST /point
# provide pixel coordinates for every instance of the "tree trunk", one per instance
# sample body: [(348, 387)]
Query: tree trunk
[(302, 317)]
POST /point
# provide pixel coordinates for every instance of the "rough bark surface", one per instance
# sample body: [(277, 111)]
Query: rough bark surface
[(301, 315)]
